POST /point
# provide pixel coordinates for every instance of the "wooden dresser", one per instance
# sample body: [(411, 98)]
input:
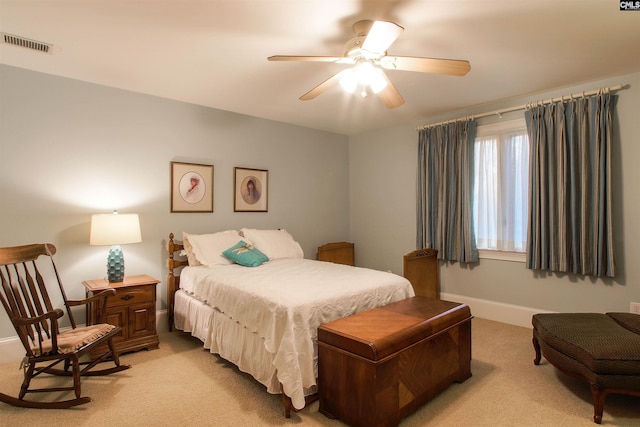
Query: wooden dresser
[(380, 365), (133, 308)]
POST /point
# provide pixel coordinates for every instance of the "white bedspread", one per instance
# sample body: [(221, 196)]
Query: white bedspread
[(285, 300)]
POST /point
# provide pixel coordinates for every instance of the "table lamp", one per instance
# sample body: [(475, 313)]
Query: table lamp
[(115, 229)]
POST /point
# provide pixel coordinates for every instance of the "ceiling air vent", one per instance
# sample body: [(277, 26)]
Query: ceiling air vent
[(24, 42)]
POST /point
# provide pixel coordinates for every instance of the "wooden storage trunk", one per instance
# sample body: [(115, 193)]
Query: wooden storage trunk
[(378, 366)]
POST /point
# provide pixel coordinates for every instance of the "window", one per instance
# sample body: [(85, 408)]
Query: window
[(501, 189)]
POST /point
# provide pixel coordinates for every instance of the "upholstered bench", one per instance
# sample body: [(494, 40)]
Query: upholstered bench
[(601, 349), (380, 365)]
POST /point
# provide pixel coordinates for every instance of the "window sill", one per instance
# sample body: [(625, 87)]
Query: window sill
[(502, 255)]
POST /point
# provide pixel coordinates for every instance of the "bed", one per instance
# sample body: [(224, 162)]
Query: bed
[(251, 297)]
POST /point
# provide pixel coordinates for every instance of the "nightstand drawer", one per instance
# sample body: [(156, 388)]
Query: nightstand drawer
[(132, 296)]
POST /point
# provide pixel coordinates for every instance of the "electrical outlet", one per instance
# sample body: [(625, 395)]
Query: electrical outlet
[(634, 307)]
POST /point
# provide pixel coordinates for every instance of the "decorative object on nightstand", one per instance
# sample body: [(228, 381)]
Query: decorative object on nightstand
[(115, 229), (133, 308)]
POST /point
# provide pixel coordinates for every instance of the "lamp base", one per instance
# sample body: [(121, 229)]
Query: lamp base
[(115, 264)]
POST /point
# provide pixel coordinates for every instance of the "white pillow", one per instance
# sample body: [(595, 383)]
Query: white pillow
[(207, 248), (274, 243), (188, 251)]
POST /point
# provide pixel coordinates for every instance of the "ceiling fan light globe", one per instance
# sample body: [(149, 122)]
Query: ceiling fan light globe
[(371, 76), (349, 81)]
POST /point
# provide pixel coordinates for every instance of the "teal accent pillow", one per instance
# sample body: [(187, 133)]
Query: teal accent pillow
[(244, 254)]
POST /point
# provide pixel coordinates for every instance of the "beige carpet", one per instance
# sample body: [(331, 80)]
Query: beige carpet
[(182, 384)]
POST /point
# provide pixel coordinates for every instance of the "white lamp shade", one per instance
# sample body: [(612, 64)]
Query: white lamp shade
[(115, 229)]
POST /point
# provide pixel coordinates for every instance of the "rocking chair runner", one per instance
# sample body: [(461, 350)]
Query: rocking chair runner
[(25, 298)]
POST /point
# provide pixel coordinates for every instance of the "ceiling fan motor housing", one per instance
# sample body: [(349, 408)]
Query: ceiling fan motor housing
[(353, 48), (361, 28)]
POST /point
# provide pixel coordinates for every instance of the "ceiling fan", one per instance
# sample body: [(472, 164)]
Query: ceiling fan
[(368, 52)]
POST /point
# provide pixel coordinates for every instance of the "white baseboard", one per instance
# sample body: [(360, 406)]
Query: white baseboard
[(12, 351), (500, 312)]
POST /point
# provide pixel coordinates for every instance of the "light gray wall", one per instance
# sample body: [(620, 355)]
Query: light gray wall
[(382, 171), (69, 149)]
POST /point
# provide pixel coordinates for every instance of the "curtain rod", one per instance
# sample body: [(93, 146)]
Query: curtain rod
[(520, 107)]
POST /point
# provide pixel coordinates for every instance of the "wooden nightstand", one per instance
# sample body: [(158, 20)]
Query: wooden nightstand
[(133, 308)]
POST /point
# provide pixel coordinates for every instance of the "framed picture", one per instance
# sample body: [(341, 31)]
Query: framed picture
[(251, 192), (191, 187)]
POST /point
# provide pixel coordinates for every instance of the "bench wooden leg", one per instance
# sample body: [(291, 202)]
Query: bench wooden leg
[(536, 347), (598, 402)]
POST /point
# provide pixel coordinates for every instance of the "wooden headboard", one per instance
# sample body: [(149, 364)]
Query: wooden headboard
[(338, 252), (173, 281)]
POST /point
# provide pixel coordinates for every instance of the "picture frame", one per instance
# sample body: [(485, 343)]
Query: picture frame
[(251, 190), (191, 187)]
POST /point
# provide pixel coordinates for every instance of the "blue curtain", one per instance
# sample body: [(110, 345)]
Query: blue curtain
[(570, 221), (445, 190)]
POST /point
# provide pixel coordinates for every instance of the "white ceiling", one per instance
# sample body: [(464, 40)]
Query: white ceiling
[(214, 53)]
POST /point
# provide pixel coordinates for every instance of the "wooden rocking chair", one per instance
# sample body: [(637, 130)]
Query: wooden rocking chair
[(25, 297)]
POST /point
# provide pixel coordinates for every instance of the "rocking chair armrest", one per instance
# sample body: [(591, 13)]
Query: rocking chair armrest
[(51, 315), (102, 295)]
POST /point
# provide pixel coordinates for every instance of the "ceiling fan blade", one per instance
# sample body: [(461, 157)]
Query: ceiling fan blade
[(381, 35), (453, 67), (338, 59), (390, 95), (329, 83)]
